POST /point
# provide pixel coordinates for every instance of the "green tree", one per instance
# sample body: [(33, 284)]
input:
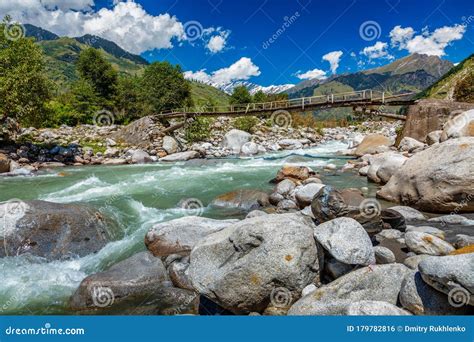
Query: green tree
[(163, 88), (127, 98), (94, 68), (24, 89), (259, 97), (85, 101), (240, 95)]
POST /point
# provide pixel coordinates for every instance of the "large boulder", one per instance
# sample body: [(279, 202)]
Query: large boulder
[(409, 144), (420, 298), (376, 283), (179, 236), (452, 275), (245, 266), (244, 199), (137, 285), (438, 179), (384, 165), (170, 145), (249, 149), (51, 230), (290, 144), (304, 194), (181, 156), (434, 137), (409, 214), (424, 243), (346, 240), (4, 163), (235, 139), (372, 144), (461, 125), (140, 157), (296, 173)]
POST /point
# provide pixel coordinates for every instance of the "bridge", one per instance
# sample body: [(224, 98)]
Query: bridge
[(357, 99)]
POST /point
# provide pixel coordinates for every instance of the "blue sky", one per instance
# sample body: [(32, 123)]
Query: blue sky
[(234, 37)]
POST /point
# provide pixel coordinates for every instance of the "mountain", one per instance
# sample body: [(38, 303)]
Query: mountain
[(38, 33), (111, 48), (412, 73), (204, 94), (228, 88), (457, 84)]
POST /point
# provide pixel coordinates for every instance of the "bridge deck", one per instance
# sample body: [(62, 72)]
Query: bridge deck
[(359, 98)]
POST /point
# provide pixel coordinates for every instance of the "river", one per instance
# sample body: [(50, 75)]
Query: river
[(137, 196)]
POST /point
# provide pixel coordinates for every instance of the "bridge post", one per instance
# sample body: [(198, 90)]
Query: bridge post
[(302, 103), (371, 95), (383, 97), (332, 98), (363, 95)]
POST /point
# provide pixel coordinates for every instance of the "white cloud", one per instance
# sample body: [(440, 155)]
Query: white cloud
[(218, 41), (333, 58), (378, 50), (241, 70), (400, 36), (312, 74), (126, 23), (433, 44)]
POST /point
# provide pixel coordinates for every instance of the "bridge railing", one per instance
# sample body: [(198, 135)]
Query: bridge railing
[(361, 95)]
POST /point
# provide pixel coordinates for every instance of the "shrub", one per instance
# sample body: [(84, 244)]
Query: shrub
[(199, 129), (245, 123)]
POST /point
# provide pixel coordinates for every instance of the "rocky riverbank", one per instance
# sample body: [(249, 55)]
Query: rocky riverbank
[(143, 142)]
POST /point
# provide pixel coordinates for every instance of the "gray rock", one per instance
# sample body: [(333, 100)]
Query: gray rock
[(240, 266), (463, 241), (285, 187), (384, 165), (52, 230), (452, 275), (346, 240), (434, 137), (374, 308), (428, 230), (378, 283), (422, 243), (115, 161), (409, 144), (308, 289), (458, 126), (388, 234), (307, 212), (138, 285), (235, 139), (275, 198), (249, 149), (287, 205), (181, 156), (290, 144), (433, 184), (452, 219), (413, 261), (179, 236), (304, 194), (140, 157), (170, 145), (383, 255), (410, 214), (363, 171), (420, 298)]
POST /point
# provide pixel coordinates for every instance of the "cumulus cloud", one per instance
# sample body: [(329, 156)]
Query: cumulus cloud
[(241, 70), (312, 74), (432, 44), (378, 50), (218, 39), (333, 58), (126, 23)]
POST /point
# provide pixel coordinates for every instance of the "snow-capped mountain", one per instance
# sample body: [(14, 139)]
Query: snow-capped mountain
[(253, 88)]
